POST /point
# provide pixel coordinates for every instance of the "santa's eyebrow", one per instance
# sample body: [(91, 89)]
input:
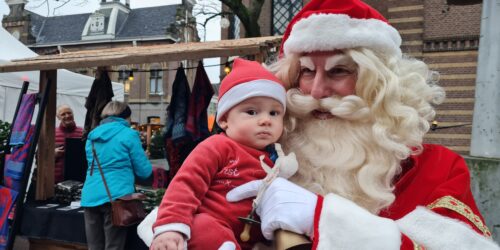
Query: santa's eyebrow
[(306, 61), (339, 59)]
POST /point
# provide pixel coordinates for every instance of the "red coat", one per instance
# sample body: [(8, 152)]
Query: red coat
[(438, 181), (61, 134)]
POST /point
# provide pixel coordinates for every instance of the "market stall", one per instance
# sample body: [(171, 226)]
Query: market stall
[(258, 48)]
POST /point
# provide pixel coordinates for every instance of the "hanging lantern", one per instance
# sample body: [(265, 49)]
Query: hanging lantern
[(131, 75), (224, 22), (227, 68)]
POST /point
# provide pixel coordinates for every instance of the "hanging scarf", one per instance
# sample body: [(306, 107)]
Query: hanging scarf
[(7, 201), (178, 108), (15, 162), (197, 120), (100, 94), (23, 120)]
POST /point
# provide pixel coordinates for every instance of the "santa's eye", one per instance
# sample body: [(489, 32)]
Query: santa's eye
[(306, 72), (339, 71)]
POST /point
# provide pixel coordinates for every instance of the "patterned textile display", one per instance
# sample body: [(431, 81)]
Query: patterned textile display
[(7, 200), (15, 162), (100, 94), (176, 154), (21, 125), (178, 143), (67, 191), (178, 108), (197, 120), (160, 178), (153, 196)]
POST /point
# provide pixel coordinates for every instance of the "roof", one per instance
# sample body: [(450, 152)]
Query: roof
[(142, 22), (146, 54)]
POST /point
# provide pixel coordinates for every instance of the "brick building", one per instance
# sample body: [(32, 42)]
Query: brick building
[(113, 25), (444, 36)]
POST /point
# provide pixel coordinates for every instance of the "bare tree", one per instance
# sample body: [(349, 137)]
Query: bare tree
[(58, 4), (248, 15)]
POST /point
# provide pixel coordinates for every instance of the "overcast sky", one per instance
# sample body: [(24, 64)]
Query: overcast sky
[(88, 6)]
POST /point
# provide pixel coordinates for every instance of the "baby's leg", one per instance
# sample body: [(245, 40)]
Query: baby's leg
[(210, 234)]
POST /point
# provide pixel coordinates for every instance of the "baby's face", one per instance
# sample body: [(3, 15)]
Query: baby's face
[(255, 122)]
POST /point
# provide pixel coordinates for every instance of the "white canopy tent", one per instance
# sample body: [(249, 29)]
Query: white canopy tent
[(72, 88)]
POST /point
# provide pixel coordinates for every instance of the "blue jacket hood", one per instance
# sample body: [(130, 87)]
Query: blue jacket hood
[(108, 128)]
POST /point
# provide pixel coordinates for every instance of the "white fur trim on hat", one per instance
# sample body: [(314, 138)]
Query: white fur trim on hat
[(255, 88), (327, 32), (434, 231)]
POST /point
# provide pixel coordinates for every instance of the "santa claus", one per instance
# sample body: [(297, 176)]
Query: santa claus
[(357, 114)]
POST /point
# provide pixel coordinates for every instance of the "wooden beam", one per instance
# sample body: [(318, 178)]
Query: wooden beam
[(46, 145), (145, 54)]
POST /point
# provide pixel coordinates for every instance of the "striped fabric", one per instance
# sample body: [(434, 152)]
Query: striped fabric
[(23, 120), (14, 162), (7, 201)]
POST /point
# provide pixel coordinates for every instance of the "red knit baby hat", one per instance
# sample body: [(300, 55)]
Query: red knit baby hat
[(248, 79), (327, 25)]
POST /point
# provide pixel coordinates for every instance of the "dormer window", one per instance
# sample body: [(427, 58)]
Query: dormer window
[(97, 23)]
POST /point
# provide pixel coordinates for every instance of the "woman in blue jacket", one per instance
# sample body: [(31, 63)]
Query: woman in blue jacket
[(120, 154)]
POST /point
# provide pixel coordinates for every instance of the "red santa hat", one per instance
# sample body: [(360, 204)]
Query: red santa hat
[(248, 79), (326, 25)]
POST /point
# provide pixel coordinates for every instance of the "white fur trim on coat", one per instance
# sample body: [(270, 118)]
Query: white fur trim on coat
[(345, 225), (434, 231), (327, 32), (145, 228)]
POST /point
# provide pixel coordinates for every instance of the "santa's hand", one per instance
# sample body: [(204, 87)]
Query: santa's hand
[(283, 206)]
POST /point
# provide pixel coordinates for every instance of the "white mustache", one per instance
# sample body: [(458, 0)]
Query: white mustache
[(349, 107)]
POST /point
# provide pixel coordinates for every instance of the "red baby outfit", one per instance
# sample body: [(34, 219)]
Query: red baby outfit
[(196, 196)]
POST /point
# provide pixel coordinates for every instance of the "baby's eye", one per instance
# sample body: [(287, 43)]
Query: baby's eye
[(251, 112), (275, 113)]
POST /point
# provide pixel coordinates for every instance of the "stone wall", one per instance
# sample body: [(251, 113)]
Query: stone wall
[(485, 184)]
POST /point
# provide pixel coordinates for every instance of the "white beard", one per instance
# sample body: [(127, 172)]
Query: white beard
[(341, 155)]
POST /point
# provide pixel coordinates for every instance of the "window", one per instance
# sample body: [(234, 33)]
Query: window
[(283, 12), (156, 81)]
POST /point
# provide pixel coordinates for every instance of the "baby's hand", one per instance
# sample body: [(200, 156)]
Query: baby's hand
[(287, 163), (168, 241)]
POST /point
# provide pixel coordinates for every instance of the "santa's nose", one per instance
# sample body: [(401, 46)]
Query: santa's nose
[(320, 89)]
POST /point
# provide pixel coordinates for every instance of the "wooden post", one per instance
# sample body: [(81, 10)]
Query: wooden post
[(148, 133), (259, 57), (46, 145)]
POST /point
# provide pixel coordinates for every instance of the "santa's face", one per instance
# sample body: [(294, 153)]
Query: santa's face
[(326, 74), (333, 135)]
